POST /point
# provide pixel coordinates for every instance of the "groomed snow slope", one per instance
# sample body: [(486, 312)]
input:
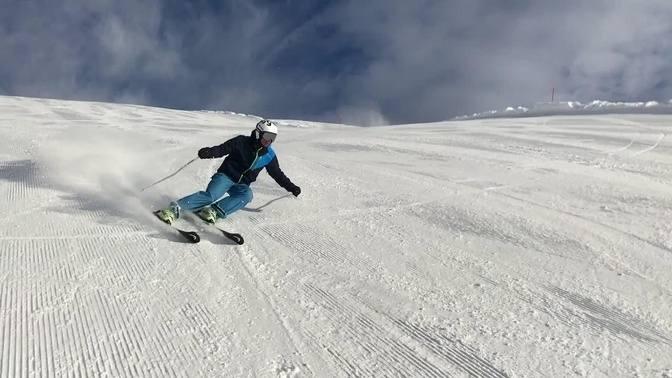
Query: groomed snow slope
[(508, 247)]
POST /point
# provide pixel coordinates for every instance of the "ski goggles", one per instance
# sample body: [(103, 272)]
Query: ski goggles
[(268, 137)]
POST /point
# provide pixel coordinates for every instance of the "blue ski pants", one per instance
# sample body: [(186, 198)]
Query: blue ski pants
[(215, 196)]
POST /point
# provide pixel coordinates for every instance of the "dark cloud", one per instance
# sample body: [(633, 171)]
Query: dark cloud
[(353, 61)]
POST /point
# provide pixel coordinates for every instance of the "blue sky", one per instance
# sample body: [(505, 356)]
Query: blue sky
[(362, 62)]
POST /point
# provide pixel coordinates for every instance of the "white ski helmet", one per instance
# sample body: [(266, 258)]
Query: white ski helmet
[(265, 132)]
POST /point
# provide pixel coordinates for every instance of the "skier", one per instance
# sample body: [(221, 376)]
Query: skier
[(247, 155)]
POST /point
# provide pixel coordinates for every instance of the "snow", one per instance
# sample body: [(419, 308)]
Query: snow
[(575, 108), (537, 246)]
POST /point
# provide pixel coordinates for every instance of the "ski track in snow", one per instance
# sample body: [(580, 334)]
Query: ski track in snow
[(489, 248)]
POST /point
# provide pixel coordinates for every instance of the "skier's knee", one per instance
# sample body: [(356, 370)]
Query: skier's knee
[(208, 195)]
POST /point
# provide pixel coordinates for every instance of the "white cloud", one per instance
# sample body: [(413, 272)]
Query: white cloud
[(414, 61), (494, 54)]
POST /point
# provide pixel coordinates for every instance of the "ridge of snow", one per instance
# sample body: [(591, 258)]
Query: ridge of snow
[(574, 108)]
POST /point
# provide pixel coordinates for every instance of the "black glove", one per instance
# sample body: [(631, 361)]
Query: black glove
[(205, 153), (296, 191)]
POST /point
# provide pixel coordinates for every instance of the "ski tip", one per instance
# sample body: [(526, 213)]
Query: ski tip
[(190, 236), (236, 238)]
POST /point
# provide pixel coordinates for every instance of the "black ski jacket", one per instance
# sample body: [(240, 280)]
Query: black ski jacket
[(246, 157)]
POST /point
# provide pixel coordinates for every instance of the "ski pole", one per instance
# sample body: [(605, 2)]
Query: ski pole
[(258, 209), (167, 177)]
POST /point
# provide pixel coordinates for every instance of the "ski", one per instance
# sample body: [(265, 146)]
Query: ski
[(190, 236), (234, 237)]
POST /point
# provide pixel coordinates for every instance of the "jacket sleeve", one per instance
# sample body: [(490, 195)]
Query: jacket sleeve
[(224, 148), (273, 169)]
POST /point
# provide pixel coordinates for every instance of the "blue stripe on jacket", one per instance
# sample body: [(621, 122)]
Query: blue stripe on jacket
[(265, 159)]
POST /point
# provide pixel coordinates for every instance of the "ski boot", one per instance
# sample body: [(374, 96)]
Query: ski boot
[(208, 214), (169, 214)]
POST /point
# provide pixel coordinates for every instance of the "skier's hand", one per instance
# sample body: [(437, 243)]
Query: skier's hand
[(205, 153), (296, 191)]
